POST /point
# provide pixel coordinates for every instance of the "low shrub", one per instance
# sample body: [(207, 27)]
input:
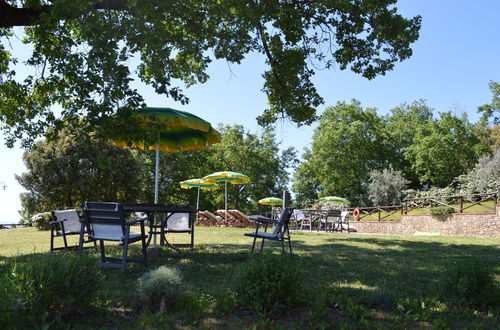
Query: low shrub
[(159, 286), (268, 284), (54, 283), (41, 221), (471, 283), (442, 210)]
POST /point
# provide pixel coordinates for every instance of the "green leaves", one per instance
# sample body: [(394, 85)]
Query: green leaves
[(84, 53)]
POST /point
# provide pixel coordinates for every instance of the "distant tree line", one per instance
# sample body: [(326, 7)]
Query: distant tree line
[(65, 171), (376, 160), (355, 153)]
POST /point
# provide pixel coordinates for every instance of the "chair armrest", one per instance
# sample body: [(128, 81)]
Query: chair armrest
[(261, 219), (57, 221), (137, 220)]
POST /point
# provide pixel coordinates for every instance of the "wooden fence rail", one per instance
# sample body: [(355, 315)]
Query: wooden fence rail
[(459, 203)]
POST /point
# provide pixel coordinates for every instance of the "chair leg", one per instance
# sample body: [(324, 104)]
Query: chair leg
[(283, 245), (51, 240), (253, 245), (144, 246), (80, 241), (65, 242), (101, 247), (262, 245), (125, 248)]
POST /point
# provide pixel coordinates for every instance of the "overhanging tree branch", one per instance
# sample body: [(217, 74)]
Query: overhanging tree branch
[(11, 16)]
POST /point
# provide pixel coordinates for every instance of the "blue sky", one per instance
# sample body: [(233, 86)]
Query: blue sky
[(457, 54)]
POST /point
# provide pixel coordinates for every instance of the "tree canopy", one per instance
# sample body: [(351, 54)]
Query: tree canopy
[(84, 51), (64, 173), (257, 156), (365, 157)]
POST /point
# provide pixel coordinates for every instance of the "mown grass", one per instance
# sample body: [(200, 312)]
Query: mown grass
[(367, 277)]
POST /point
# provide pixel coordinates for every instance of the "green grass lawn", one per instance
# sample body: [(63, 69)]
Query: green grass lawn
[(375, 272)]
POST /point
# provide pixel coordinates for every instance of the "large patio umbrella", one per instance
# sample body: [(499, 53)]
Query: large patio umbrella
[(174, 130), (200, 184), (227, 176), (272, 201)]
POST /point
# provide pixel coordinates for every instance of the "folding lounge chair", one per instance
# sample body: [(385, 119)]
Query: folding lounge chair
[(106, 222), (227, 217), (212, 219), (242, 217), (65, 223), (280, 232)]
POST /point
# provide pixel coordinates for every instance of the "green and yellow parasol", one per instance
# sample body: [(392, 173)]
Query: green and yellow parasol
[(335, 199), (272, 201), (227, 176), (172, 130), (200, 184)]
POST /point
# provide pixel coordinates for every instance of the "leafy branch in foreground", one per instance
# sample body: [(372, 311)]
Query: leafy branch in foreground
[(84, 53)]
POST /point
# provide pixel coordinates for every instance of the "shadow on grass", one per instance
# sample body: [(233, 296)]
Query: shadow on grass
[(358, 266)]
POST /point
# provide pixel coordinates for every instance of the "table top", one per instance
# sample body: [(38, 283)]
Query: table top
[(149, 207)]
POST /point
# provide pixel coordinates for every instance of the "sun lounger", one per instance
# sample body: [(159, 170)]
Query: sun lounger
[(210, 219), (241, 217), (229, 219)]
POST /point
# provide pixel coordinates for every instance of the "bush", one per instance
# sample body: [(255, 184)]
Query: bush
[(158, 286), (268, 284), (53, 283), (442, 210), (471, 284), (41, 221)]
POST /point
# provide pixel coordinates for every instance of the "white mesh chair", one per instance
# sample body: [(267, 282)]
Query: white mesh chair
[(304, 219), (106, 222), (344, 221), (177, 223), (65, 223)]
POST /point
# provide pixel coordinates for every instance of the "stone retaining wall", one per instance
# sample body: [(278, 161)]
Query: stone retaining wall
[(456, 224)]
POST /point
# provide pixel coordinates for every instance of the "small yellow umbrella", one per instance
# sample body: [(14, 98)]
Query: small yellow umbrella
[(200, 184), (227, 176), (335, 199), (273, 201)]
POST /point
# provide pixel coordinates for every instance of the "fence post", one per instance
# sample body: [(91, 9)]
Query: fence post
[(461, 204)]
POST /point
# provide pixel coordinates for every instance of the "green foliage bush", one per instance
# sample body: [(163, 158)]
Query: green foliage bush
[(442, 210), (53, 283), (268, 284), (41, 221), (471, 283), (159, 286)]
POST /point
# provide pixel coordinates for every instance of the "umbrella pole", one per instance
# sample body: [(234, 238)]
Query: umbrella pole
[(157, 171), (225, 213), (198, 203)]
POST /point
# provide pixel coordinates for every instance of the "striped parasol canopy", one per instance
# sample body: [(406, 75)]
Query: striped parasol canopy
[(175, 130), (227, 176), (335, 199), (200, 184), (171, 130), (273, 201)]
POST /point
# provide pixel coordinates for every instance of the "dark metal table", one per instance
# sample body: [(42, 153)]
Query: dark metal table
[(165, 211)]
